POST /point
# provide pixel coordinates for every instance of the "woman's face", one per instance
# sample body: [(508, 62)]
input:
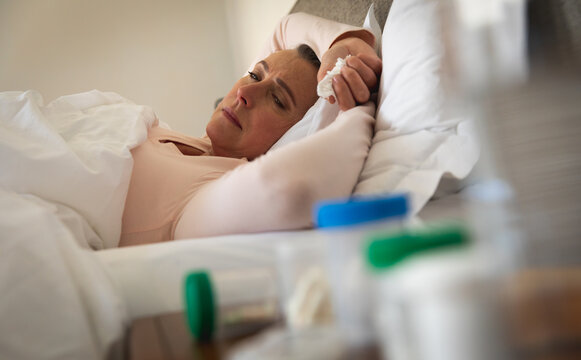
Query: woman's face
[(263, 105)]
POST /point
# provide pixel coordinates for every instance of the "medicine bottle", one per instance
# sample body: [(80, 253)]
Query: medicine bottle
[(232, 303)]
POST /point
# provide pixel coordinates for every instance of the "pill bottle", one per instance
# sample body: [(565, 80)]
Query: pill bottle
[(437, 296), (226, 304), (344, 226)]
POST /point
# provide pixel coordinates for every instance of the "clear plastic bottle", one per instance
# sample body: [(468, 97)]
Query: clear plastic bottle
[(303, 283), (525, 208)]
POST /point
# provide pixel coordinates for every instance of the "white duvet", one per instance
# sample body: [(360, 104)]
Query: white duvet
[(64, 172)]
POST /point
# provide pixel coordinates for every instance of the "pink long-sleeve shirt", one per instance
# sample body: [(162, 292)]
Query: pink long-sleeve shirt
[(177, 190)]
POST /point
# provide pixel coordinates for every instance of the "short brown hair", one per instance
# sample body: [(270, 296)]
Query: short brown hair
[(308, 54)]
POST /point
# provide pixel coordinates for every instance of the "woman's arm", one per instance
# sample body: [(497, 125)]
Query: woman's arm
[(277, 190), (332, 40), (300, 28)]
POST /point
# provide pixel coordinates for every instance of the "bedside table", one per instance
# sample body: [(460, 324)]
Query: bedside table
[(167, 337)]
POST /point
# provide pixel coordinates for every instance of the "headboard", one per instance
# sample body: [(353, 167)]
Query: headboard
[(345, 11), (555, 26)]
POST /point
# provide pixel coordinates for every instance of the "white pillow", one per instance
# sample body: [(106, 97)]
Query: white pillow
[(414, 143), (370, 23), (319, 115), (322, 113)]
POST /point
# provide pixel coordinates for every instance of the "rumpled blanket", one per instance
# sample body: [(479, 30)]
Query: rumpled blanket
[(64, 172)]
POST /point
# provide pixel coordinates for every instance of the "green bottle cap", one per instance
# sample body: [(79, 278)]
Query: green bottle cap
[(386, 250), (200, 306)]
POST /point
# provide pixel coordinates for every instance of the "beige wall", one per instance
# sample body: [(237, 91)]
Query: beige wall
[(250, 23), (177, 56)]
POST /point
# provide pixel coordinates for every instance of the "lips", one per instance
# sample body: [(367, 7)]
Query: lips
[(230, 115)]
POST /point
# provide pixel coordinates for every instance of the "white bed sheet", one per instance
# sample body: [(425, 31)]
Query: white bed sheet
[(65, 171)]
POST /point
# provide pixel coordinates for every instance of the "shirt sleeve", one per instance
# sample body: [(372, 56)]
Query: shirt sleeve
[(300, 28), (278, 190)]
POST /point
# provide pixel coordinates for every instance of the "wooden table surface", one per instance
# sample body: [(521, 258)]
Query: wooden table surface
[(167, 337)]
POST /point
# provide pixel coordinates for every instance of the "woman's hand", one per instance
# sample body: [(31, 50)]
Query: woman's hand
[(359, 77)]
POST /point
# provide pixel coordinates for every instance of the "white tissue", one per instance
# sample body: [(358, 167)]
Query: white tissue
[(325, 86)]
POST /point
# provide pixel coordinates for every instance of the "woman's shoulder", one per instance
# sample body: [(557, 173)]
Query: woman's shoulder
[(165, 134)]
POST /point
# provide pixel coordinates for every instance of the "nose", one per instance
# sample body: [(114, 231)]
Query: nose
[(247, 94)]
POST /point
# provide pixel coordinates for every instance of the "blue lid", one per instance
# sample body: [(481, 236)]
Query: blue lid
[(359, 210)]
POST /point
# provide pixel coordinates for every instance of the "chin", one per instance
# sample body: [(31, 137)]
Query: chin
[(216, 139), (214, 129)]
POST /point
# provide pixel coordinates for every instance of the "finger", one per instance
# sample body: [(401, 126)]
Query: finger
[(366, 73), (323, 72), (372, 61), (329, 59), (343, 93), (358, 88)]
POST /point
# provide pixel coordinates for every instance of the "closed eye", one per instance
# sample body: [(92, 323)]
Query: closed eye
[(277, 102), (285, 88)]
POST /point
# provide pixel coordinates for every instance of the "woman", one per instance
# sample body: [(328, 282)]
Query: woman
[(183, 187)]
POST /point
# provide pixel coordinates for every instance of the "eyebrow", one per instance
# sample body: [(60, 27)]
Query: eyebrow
[(280, 82)]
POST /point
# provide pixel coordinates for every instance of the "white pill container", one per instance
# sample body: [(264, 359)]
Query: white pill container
[(437, 298), (345, 224)]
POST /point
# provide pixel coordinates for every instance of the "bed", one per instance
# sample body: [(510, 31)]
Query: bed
[(71, 293)]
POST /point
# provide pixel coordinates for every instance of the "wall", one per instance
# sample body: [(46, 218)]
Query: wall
[(177, 56), (250, 23)]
